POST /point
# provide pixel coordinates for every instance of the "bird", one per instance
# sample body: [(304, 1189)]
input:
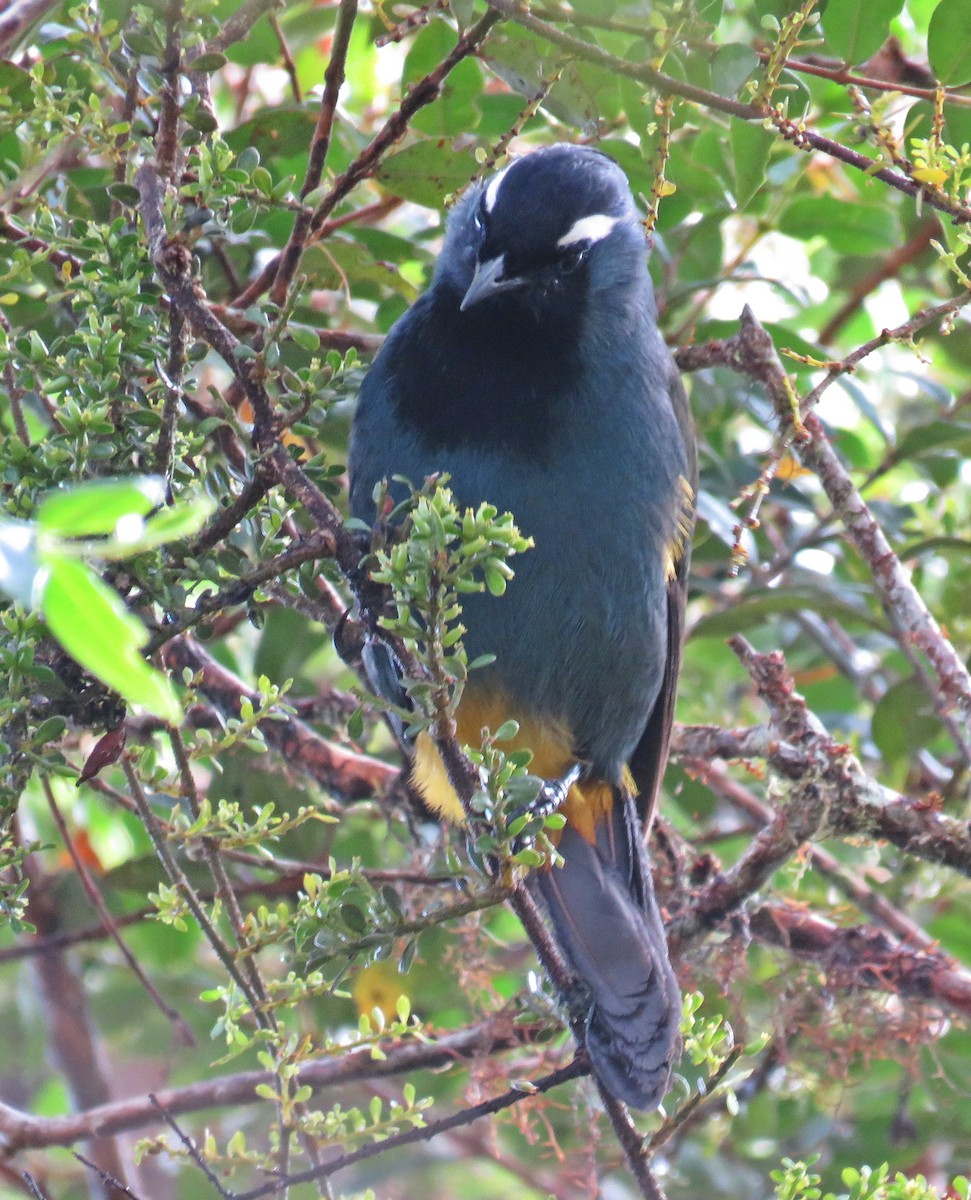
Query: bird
[(533, 372)]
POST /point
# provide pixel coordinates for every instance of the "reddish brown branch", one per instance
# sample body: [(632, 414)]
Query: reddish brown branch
[(340, 772), (861, 957), (498, 1034)]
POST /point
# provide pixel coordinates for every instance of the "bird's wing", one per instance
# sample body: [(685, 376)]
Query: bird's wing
[(650, 756)]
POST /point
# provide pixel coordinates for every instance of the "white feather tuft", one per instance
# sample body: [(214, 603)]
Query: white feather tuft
[(588, 229)]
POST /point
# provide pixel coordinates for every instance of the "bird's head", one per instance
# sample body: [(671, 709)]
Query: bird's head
[(537, 236)]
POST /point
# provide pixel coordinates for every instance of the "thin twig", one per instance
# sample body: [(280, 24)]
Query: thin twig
[(185, 889), (497, 1034), (319, 146), (108, 921), (367, 162), (167, 137), (423, 1133), (191, 1148)]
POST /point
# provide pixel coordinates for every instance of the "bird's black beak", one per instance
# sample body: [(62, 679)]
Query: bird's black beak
[(488, 280)]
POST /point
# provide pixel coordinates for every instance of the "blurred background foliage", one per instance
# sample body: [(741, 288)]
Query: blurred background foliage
[(302, 876)]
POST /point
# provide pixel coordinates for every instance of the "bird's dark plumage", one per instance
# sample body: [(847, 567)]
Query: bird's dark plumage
[(533, 372)]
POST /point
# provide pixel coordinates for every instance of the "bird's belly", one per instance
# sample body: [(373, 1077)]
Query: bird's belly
[(579, 644)]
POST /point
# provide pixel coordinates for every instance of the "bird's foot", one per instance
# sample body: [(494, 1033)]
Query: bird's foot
[(552, 795), (528, 818)]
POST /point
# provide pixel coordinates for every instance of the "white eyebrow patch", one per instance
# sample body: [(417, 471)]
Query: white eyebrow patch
[(588, 229), (492, 191)]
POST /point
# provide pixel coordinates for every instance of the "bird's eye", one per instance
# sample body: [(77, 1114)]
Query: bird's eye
[(569, 260), (477, 220)]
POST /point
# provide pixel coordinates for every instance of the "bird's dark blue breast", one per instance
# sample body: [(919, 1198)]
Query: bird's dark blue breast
[(487, 377)]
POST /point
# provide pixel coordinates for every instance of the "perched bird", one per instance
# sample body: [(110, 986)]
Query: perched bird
[(533, 372)]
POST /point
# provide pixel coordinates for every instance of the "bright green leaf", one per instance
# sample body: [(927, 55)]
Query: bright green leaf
[(751, 145), (949, 42), (93, 625), (426, 172), (855, 29), (96, 508)]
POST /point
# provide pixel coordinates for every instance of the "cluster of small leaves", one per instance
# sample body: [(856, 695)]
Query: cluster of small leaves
[(796, 1180), (243, 730), (231, 828), (336, 1128), (285, 994), (442, 554), (171, 907), (13, 882), (511, 827), (20, 634), (348, 907)]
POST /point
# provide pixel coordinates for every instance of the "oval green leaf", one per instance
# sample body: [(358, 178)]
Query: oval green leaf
[(93, 625), (855, 29), (96, 508), (949, 42)]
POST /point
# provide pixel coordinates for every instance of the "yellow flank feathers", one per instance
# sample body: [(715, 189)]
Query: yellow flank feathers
[(552, 746), (675, 548)]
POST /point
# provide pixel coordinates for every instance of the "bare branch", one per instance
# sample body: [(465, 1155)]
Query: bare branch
[(497, 1034)]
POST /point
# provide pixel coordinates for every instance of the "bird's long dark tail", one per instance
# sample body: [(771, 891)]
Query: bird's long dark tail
[(606, 920)]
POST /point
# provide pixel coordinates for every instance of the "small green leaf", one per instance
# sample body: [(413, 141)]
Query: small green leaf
[(426, 171), (903, 720), (49, 731), (203, 120), (849, 228), (169, 525), (462, 12), (495, 580), (528, 858), (355, 725), (14, 81), (125, 192), (751, 145), (305, 337), (731, 66), (208, 62)]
